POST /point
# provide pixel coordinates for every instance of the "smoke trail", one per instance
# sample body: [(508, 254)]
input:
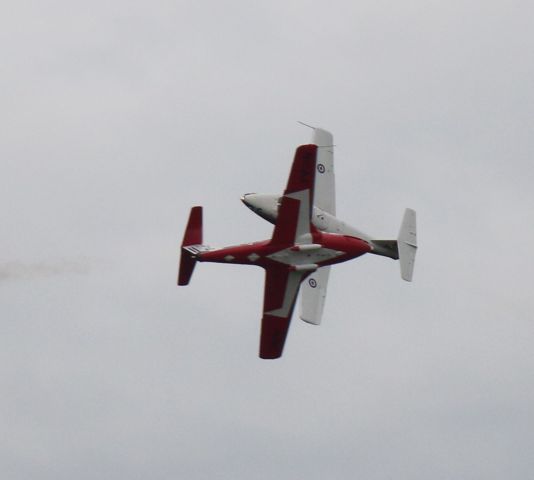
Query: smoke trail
[(25, 271)]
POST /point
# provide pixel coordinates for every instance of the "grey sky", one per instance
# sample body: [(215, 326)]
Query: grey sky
[(117, 117)]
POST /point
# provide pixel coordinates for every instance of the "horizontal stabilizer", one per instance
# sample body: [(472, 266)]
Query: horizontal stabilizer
[(192, 236), (193, 231), (407, 244)]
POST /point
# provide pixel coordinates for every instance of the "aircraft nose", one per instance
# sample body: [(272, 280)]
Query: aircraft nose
[(244, 198)]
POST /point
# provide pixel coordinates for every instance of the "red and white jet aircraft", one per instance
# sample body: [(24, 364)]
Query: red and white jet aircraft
[(313, 290), (296, 250)]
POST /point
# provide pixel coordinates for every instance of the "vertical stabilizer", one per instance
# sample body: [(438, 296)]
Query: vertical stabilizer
[(407, 244)]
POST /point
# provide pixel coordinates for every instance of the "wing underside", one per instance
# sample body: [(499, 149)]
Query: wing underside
[(293, 226), (313, 291), (325, 184), (313, 296), (294, 214), (281, 289)]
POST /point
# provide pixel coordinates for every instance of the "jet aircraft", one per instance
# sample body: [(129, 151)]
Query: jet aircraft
[(313, 291), (307, 239)]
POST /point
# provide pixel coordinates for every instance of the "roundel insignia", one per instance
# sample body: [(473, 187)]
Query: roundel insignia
[(312, 282), (320, 168)]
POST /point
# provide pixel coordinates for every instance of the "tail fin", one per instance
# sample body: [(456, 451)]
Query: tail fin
[(192, 236), (407, 244)]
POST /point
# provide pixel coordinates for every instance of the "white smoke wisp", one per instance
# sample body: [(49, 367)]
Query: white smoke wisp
[(16, 270)]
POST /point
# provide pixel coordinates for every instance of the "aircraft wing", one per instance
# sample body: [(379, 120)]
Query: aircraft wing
[(294, 215), (325, 184), (281, 288), (313, 290), (293, 226), (313, 296)]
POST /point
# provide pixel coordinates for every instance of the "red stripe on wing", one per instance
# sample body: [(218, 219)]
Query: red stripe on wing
[(286, 224), (273, 336), (302, 175), (301, 179), (281, 289)]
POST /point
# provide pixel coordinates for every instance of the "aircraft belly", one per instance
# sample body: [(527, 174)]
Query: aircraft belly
[(291, 257)]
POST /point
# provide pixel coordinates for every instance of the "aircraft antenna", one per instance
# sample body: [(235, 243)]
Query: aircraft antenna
[(305, 124)]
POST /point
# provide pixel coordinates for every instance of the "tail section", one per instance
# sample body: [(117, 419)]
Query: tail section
[(192, 239), (407, 244)]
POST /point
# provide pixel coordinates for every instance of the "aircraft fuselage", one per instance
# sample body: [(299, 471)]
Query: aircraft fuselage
[(266, 206), (325, 249)]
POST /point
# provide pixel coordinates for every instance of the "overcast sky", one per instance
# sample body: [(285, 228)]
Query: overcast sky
[(118, 116)]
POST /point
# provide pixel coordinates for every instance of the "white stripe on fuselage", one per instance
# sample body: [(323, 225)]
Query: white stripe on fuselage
[(290, 257)]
